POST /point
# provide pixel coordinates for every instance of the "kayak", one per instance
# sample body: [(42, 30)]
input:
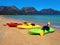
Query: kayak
[(13, 24), (37, 31), (28, 26)]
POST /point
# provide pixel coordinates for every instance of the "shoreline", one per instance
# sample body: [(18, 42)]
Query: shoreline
[(15, 36), (42, 24)]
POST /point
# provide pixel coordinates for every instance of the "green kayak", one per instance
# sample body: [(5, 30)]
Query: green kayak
[(37, 31)]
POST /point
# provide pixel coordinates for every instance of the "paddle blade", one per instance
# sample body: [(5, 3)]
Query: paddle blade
[(49, 22), (41, 33)]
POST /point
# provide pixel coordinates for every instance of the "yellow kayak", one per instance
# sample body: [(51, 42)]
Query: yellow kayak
[(28, 26)]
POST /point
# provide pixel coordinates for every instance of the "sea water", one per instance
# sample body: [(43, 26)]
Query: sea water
[(40, 19)]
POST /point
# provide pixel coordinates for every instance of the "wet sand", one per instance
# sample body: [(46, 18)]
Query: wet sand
[(15, 36)]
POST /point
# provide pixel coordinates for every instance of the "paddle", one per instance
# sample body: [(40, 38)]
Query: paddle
[(41, 33)]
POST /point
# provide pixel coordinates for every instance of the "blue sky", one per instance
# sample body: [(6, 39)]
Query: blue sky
[(38, 4)]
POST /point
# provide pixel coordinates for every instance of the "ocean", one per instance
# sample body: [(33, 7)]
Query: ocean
[(40, 19)]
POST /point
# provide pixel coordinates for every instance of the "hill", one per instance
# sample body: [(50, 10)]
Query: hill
[(13, 10)]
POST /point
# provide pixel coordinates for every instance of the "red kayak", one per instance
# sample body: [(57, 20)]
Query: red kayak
[(13, 24)]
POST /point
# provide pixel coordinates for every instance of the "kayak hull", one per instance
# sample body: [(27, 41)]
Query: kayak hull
[(13, 24), (28, 26), (36, 31)]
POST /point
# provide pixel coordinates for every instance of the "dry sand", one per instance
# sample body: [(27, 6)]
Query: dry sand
[(15, 36)]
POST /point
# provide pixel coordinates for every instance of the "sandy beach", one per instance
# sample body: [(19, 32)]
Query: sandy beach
[(15, 36)]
